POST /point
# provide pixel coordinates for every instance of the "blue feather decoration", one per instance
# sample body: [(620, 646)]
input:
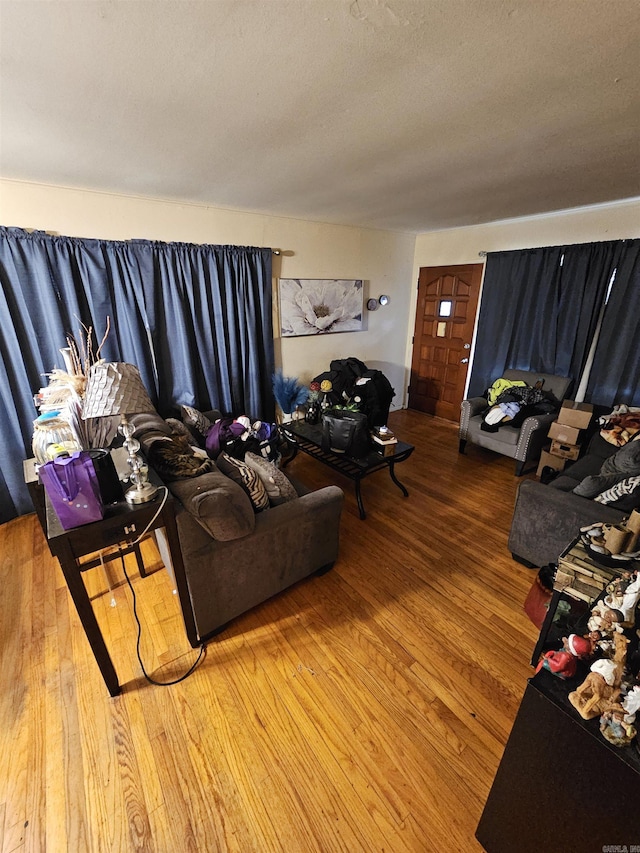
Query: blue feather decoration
[(289, 393)]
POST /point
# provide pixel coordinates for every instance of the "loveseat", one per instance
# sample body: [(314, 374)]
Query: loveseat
[(547, 517), (234, 557)]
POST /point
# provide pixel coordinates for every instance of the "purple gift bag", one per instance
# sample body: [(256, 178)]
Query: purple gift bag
[(72, 486)]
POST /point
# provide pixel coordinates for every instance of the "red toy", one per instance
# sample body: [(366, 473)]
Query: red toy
[(564, 663)]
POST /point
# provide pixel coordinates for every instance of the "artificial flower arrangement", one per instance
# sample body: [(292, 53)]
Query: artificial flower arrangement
[(326, 386), (312, 415), (289, 394)]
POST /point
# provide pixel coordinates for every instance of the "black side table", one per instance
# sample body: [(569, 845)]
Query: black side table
[(560, 785), (122, 525)]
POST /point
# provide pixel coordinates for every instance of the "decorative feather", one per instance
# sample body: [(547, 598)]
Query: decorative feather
[(289, 392)]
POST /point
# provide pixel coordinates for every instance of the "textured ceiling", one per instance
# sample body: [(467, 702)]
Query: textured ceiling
[(399, 114)]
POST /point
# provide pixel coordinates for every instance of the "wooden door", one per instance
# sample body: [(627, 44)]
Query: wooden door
[(445, 317)]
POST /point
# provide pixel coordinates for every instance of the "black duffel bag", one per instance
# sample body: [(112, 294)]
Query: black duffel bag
[(344, 431)]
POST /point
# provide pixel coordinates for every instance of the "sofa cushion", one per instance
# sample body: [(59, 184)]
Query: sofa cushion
[(219, 505), (278, 487), (245, 477)]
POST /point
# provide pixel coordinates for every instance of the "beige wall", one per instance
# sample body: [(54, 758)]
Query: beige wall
[(311, 250), (583, 225)]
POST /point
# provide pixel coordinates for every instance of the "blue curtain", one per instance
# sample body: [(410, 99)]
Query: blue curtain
[(517, 319), (195, 319), (615, 373), (540, 309)]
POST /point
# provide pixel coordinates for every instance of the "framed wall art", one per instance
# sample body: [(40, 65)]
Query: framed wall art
[(319, 306)]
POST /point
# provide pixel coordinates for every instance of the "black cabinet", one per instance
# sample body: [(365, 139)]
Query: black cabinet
[(561, 787)]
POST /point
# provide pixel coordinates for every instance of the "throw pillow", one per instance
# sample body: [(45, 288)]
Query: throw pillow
[(246, 477), (595, 484), (621, 489), (196, 420), (626, 460), (621, 465), (277, 485)]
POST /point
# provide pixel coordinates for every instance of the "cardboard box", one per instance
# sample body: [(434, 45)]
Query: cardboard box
[(564, 434), (566, 451), (548, 460), (576, 415)]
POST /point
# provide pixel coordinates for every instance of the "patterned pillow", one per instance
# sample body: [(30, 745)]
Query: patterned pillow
[(620, 490), (278, 487), (196, 420), (246, 477)]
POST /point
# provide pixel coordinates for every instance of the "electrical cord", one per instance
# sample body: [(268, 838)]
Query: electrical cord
[(135, 605), (191, 669)]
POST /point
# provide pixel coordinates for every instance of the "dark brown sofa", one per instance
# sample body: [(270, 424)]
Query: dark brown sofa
[(234, 559)]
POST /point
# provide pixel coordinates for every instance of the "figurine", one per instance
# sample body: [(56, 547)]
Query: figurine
[(605, 619), (564, 663), (601, 687), (626, 595), (631, 703), (615, 726)]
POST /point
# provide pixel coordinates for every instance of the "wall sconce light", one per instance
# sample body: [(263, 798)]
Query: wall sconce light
[(372, 304)]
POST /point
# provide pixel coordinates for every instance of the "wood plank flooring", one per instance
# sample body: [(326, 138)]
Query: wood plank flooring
[(366, 710)]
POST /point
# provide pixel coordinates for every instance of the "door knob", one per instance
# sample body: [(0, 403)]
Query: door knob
[(467, 346), (464, 361)]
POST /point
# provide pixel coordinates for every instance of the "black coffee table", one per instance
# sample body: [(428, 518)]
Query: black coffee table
[(308, 437)]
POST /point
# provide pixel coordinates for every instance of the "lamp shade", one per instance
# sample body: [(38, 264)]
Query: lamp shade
[(115, 388)]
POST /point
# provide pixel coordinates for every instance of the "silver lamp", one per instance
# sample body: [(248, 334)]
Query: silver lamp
[(115, 388)]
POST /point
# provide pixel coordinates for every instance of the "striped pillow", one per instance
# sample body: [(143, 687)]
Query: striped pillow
[(240, 472), (620, 490), (278, 487)]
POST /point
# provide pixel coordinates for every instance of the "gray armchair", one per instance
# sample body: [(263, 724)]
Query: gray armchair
[(522, 443)]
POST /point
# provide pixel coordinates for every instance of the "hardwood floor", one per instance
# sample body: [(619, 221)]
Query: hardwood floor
[(365, 710)]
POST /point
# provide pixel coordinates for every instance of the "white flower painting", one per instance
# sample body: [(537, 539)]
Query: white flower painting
[(317, 306)]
